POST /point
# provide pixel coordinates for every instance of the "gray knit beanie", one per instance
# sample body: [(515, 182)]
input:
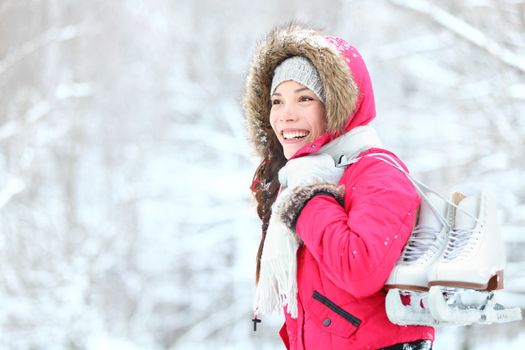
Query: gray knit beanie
[(301, 70)]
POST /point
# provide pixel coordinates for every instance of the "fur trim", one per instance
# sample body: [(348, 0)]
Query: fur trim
[(292, 40), (291, 208)]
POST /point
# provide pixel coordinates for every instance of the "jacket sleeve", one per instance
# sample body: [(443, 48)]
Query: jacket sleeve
[(358, 245)]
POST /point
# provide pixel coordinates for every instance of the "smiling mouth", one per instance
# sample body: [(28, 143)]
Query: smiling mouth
[(295, 135)]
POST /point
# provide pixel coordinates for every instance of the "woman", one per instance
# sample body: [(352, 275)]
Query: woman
[(331, 234)]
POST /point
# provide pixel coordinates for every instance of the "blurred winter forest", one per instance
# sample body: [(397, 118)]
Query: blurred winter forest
[(125, 216)]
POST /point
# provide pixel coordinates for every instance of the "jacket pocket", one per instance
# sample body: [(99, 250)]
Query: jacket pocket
[(332, 317)]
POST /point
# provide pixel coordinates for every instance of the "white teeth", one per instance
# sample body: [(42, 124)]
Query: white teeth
[(288, 135)]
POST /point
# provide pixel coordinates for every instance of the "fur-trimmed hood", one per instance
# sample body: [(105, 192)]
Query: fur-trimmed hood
[(346, 83)]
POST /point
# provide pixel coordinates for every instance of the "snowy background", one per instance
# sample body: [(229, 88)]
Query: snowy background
[(125, 216)]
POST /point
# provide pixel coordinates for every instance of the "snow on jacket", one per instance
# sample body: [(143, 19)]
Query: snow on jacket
[(350, 250)]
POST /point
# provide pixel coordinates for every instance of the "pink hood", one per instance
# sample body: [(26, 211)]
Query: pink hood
[(346, 82)]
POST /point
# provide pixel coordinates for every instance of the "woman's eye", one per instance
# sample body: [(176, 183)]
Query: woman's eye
[(305, 98), (276, 102)]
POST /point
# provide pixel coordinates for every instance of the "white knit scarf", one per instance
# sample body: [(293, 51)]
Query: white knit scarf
[(277, 287)]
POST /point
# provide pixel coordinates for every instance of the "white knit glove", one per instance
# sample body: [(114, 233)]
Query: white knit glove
[(316, 168), (302, 179)]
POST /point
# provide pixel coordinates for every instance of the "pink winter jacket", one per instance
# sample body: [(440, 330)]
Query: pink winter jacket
[(349, 251), (347, 256)]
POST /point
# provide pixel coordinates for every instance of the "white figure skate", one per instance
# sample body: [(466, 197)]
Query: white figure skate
[(471, 267), (408, 285)]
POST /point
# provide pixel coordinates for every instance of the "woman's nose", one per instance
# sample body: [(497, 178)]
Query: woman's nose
[(288, 114), (288, 118)]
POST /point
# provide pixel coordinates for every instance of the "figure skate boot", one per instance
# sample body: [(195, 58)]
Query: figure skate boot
[(408, 285), (471, 267)]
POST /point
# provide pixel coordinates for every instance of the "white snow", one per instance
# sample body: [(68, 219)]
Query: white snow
[(10, 189)]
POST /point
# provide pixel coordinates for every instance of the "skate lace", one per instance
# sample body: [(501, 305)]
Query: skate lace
[(422, 240), (425, 239), (458, 241)]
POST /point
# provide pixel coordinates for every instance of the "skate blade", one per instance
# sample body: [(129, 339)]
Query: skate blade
[(412, 314), (498, 314), (487, 313)]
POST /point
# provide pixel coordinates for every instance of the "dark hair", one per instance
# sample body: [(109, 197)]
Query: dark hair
[(265, 189)]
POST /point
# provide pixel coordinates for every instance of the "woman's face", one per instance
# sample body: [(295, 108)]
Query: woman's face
[(297, 116)]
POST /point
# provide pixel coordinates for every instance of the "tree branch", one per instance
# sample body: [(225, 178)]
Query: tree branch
[(465, 31), (31, 46), (33, 115)]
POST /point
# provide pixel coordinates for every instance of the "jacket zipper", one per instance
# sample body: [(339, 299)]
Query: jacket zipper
[(338, 310)]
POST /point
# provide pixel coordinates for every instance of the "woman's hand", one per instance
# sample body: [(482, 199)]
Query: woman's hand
[(302, 179), (316, 168)]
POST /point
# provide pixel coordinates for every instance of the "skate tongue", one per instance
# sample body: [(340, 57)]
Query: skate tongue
[(427, 216), (469, 205)]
